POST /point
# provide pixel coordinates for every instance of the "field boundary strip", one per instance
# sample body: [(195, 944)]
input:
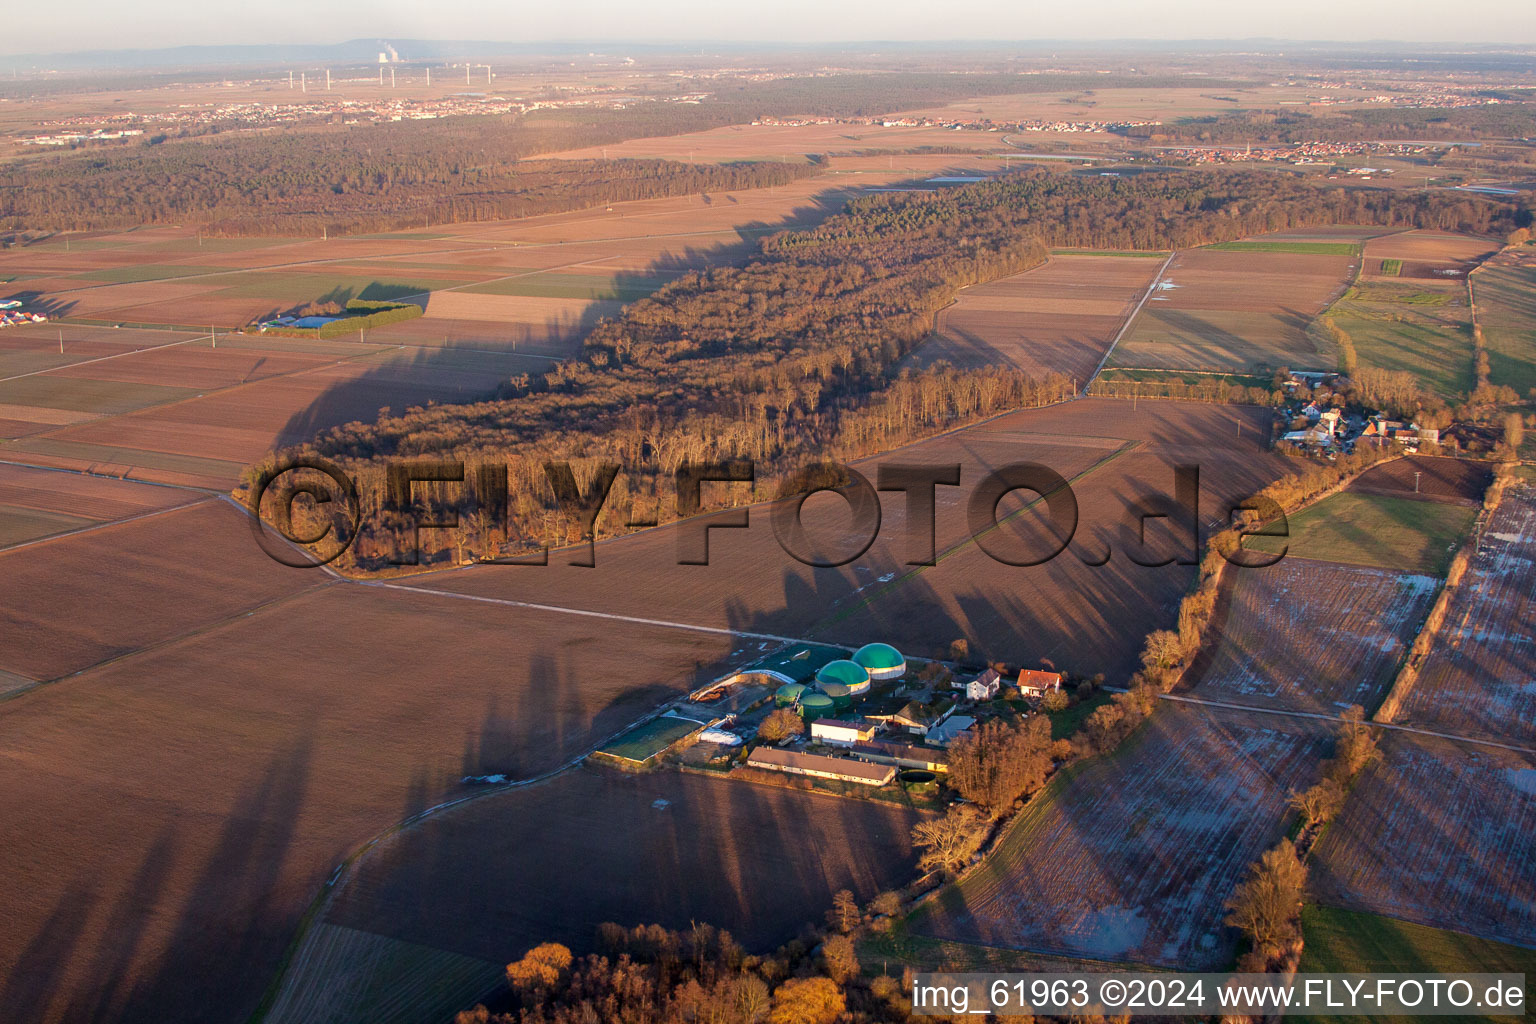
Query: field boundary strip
[(1129, 320), (102, 359), (77, 531), (210, 492), (169, 641), (1288, 713)]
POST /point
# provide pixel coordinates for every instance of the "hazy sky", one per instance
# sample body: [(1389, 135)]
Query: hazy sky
[(32, 27)]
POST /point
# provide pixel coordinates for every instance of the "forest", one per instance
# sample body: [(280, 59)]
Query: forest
[(409, 174), (795, 357), (1497, 121)]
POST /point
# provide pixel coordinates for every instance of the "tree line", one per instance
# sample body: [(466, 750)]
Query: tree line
[(653, 975), (1496, 121)]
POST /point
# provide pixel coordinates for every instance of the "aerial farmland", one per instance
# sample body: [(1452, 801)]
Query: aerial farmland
[(1241, 306), (797, 516)]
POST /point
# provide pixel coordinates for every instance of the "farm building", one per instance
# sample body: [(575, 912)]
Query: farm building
[(1036, 683), (915, 717), (881, 661), (948, 730), (821, 767), (844, 732), (797, 664), (984, 686), (904, 755), (844, 673), (640, 746)]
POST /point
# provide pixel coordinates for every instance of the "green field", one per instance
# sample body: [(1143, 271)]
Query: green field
[(138, 272), (644, 742), (899, 947), (1299, 248), (213, 245), (1229, 341), (61, 244), (1402, 534), (1506, 300), (1158, 254), (1188, 378), (80, 394), (1391, 268), (1065, 723), (1423, 328), (415, 236), (597, 287), (1347, 941), (350, 974), (293, 288), (165, 462), (1389, 294), (1439, 355), (18, 525)]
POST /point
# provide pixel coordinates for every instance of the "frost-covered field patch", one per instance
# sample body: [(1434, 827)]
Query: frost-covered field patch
[(1439, 835), (1132, 856), (1312, 636), (1480, 677)]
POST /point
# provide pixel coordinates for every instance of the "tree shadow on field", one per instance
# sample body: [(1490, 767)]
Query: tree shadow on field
[(118, 945), (1187, 327), (469, 363), (232, 932), (552, 862), (33, 981), (33, 301), (957, 347)]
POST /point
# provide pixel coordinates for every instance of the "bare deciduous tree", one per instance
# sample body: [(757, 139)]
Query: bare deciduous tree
[(947, 843), (1266, 906)]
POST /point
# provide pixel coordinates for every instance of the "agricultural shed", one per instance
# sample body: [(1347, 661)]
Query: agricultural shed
[(903, 755), (820, 766), (946, 731), (797, 664), (843, 732)]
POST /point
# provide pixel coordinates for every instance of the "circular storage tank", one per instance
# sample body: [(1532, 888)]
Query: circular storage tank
[(844, 673), (816, 705), (842, 699), (881, 661), (786, 695), (918, 780)]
